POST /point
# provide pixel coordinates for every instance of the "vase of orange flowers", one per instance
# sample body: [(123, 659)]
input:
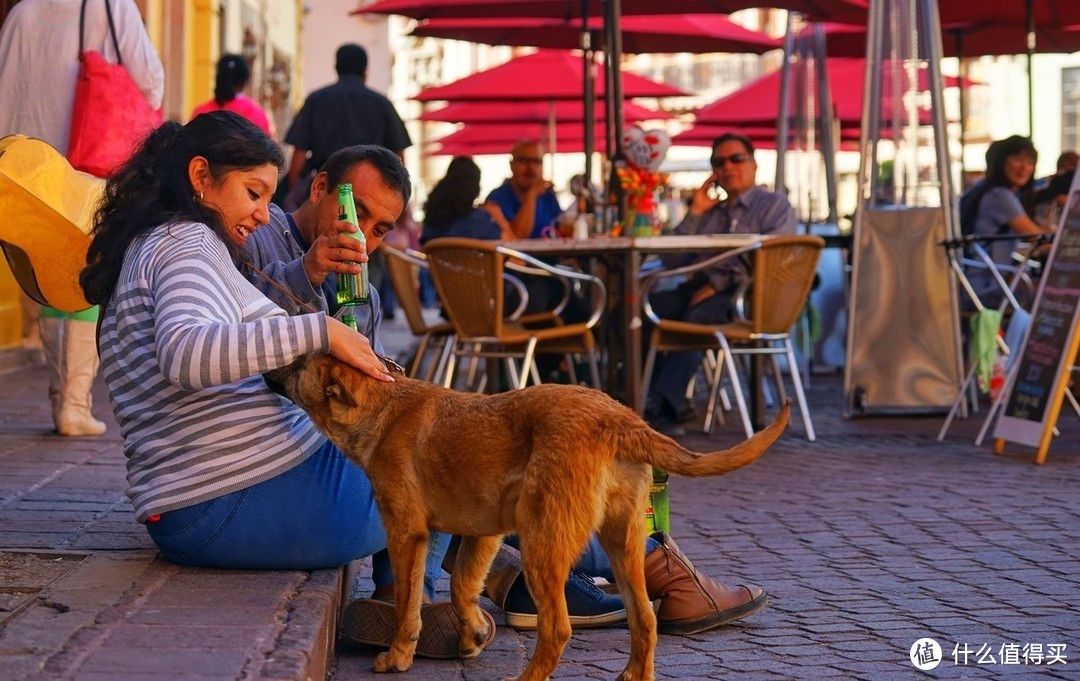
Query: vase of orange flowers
[(640, 187), (640, 180)]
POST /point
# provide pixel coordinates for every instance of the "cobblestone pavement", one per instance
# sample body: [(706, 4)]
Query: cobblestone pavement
[(867, 540), (870, 538)]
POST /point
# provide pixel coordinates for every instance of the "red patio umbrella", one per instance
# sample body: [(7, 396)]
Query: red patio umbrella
[(1043, 13), (754, 104), (570, 9), (544, 75), (612, 11), (1032, 15), (640, 33), (973, 39), (532, 112), (479, 139)]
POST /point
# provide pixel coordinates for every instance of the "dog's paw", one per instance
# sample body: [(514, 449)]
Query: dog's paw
[(472, 644), (474, 637), (389, 662)]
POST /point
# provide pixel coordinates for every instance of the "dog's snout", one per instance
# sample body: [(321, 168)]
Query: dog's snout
[(275, 380)]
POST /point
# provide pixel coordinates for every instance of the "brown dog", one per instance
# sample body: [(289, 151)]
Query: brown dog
[(553, 463)]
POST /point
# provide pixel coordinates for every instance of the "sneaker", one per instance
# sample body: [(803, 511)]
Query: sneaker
[(373, 623), (686, 413), (588, 605)]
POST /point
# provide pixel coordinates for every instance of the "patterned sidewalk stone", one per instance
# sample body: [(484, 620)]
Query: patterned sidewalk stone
[(866, 540)]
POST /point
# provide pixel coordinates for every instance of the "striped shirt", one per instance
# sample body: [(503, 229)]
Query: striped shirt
[(184, 341)]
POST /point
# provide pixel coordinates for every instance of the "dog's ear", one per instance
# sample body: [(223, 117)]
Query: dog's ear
[(336, 390)]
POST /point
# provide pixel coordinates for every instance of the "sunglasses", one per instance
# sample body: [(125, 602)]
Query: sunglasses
[(737, 159), (532, 160)]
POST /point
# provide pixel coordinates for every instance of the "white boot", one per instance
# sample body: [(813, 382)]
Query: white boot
[(80, 368), (52, 345)]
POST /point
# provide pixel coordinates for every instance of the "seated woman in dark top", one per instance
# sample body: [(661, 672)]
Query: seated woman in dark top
[(451, 208)]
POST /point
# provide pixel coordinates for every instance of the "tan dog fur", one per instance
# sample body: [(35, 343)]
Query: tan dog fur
[(553, 463)]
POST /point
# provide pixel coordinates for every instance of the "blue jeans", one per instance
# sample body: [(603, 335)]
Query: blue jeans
[(672, 373), (593, 561), (318, 514)]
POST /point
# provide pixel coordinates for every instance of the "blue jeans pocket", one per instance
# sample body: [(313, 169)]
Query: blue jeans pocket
[(183, 534)]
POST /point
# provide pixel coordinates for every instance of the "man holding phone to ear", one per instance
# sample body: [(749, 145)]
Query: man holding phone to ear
[(744, 208)]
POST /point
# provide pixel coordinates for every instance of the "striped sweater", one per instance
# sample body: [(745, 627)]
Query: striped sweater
[(184, 341)]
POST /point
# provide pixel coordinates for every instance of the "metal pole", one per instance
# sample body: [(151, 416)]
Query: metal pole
[(588, 89), (614, 100), (868, 143), (958, 37), (784, 109), (932, 22), (1029, 11), (937, 107), (613, 63), (827, 118)]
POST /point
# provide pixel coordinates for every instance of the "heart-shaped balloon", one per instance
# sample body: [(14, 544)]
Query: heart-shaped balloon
[(645, 149)]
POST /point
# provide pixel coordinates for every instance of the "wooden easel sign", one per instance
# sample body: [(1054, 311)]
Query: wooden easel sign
[(1039, 379)]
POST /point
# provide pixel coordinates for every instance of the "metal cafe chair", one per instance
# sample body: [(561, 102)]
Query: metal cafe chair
[(783, 274), (469, 277), (402, 266), (968, 253)]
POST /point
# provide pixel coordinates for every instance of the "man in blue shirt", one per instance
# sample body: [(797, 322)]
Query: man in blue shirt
[(526, 199)]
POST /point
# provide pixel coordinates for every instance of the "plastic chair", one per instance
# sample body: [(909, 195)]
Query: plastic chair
[(783, 274), (469, 276), (402, 266)]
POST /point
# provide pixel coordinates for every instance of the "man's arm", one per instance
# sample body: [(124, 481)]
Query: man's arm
[(277, 255), (777, 216), (523, 223), (140, 58)]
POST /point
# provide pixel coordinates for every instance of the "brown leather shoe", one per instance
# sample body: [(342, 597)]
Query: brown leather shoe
[(691, 602)]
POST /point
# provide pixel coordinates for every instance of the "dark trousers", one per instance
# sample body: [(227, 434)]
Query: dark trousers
[(673, 371)]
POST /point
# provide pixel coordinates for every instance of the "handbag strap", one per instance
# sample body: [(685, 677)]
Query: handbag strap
[(112, 30)]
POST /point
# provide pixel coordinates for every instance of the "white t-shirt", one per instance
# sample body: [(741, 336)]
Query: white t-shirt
[(39, 62)]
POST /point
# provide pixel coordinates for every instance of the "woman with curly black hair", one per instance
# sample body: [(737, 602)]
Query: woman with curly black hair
[(212, 452)]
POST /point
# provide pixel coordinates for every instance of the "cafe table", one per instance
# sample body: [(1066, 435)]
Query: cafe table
[(623, 257)]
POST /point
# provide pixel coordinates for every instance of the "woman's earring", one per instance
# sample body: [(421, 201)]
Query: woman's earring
[(198, 196)]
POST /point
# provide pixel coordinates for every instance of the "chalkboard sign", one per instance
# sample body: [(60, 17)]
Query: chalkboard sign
[(1038, 380)]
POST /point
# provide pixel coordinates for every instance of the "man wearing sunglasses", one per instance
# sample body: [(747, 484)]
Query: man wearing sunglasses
[(728, 202)]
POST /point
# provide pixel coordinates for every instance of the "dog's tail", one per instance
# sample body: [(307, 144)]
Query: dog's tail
[(666, 454)]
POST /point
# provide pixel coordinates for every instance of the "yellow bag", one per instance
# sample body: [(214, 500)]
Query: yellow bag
[(46, 208)]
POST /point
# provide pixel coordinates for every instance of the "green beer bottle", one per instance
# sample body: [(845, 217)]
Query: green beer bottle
[(348, 318), (352, 289), (658, 509)]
